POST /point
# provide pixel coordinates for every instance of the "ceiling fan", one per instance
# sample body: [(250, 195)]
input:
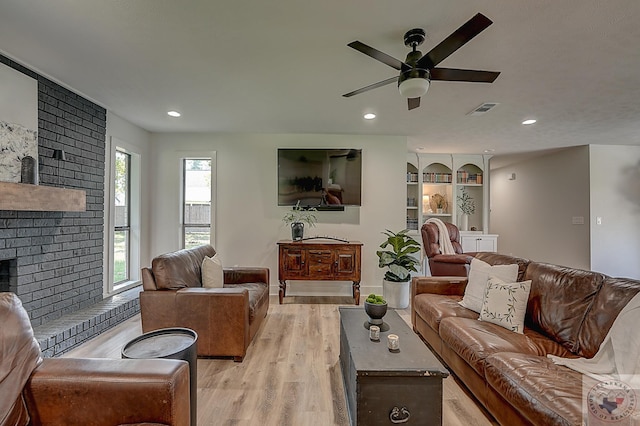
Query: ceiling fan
[(417, 71)]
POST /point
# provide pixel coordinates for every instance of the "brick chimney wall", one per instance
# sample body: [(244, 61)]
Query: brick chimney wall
[(59, 255)]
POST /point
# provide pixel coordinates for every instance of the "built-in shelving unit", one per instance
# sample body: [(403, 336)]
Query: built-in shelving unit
[(413, 193), (446, 177), (20, 196)]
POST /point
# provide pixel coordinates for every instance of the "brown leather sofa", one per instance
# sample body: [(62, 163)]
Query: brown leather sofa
[(226, 319), (569, 312), (75, 391), (455, 265)]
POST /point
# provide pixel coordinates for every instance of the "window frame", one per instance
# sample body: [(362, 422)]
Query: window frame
[(126, 228), (183, 204), (135, 209)]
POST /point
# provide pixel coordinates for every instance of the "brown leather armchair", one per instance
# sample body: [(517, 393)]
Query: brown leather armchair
[(76, 391), (456, 265), (226, 319)]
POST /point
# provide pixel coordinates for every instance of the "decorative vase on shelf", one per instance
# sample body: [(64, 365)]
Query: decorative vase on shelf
[(297, 231), (439, 211), (464, 222)]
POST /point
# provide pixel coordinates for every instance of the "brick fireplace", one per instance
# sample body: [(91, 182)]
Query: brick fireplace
[(53, 261)]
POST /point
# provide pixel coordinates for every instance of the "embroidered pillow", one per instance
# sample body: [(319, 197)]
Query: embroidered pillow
[(505, 304), (212, 275), (479, 275)]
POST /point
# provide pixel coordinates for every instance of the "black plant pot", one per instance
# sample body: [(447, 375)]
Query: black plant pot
[(375, 312), (297, 231)]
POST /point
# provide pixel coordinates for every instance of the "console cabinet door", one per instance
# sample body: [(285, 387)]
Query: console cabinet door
[(346, 264), (293, 262)]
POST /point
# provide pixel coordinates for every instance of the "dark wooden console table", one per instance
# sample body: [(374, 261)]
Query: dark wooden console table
[(319, 260)]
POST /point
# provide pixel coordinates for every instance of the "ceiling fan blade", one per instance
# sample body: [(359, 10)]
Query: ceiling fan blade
[(413, 103), (456, 40), (371, 86), (453, 74), (378, 55)]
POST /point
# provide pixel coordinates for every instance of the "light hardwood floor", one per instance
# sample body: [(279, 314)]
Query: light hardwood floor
[(290, 376)]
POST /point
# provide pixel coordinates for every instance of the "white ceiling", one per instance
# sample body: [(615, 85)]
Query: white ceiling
[(281, 66)]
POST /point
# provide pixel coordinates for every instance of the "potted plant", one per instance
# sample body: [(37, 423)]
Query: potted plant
[(376, 307), (297, 217), (400, 263), (467, 207)]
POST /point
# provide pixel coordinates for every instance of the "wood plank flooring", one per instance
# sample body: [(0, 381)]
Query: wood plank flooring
[(290, 376)]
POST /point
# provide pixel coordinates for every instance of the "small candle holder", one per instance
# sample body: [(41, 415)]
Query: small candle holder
[(374, 333), (393, 342)]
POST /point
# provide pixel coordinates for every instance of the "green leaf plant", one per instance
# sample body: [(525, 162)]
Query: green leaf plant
[(398, 258)]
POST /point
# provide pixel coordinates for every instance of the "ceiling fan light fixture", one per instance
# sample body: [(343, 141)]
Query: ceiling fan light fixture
[(414, 87)]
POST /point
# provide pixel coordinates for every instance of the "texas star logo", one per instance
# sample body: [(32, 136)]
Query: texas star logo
[(611, 400)]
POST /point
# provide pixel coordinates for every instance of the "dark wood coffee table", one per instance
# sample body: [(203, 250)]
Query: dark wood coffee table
[(383, 387)]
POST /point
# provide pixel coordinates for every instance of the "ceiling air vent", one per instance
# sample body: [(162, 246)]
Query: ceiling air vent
[(484, 108)]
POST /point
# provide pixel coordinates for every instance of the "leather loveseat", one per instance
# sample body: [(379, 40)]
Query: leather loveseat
[(569, 312), (226, 319), (77, 391)]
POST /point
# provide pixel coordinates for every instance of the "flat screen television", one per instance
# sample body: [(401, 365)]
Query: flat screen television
[(319, 177)]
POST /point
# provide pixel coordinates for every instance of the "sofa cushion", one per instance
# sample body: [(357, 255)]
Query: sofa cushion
[(505, 303), (180, 269), (559, 300), (258, 295), (432, 308), (544, 393), (478, 277), (503, 259), (212, 272), (475, 340), (614, 294)]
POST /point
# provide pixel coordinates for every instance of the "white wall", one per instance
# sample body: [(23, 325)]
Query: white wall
[(248, 220), (134, 139), (615, 197), (533, 213)]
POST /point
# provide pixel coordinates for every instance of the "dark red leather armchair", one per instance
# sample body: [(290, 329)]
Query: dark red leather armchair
[(456, 265)]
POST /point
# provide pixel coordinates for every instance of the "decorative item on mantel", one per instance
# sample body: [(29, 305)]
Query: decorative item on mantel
[(58, 154), (467, 207), (297, 217), (29, 170), (400, 263)]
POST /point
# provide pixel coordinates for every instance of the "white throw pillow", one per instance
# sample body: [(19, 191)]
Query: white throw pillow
[(479, 275), (212, 275), (505, 304)]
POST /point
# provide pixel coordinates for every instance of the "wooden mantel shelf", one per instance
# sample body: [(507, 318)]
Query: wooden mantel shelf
[(20, 196)]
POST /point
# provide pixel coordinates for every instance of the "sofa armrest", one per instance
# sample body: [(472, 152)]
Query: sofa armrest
[(240, 275), (220, 316), (438, 285), (109, 392)]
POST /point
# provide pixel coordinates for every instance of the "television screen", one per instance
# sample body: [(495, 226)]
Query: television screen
[(319, 177)]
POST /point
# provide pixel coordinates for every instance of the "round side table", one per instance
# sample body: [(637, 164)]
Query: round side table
[(169, 343)]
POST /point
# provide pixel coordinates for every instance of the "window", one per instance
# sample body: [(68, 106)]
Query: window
[(196, 206), (123, 215), (122, 210)]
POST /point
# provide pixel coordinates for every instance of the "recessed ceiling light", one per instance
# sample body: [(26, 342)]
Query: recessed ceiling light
[(174, 114), (530, 121), (369, 116)]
